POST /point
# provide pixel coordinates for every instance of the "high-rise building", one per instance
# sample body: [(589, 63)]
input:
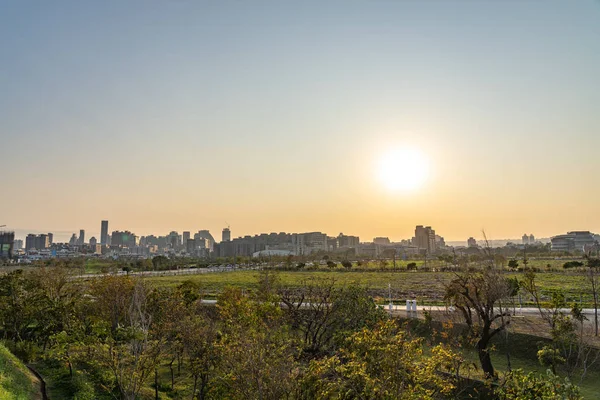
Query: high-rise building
[(7, 240), (347, 241), (36, 242), (226, 235), (73, 240), (531, 239), (205, 234), (50, 238), (18, 244), (93, 242), (186, 237), (381, 240), (310, 242), (525, 239), (173, 240), (104, 233), (81, 240), (471, 242), (425, 239), (123, 239)]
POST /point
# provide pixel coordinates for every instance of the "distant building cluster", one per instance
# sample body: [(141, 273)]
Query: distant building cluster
[(528, 239), (203, 245)]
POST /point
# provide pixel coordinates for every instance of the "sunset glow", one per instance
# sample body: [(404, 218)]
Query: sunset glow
[(403, 169)]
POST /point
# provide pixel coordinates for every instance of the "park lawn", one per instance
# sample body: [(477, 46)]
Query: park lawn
[(523, 355)]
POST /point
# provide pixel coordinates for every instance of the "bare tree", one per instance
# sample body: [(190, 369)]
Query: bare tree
[(593, 276), (477, 296)]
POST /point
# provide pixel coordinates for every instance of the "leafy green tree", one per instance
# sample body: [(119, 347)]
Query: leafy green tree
[(319, 311), (256, 356), (383, 363)]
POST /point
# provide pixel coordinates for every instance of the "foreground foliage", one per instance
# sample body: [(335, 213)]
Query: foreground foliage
[(120, 337)]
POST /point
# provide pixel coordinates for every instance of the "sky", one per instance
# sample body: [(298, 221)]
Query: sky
[(274, 116)]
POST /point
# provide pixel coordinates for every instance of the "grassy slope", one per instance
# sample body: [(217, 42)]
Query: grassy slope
[(16, 381)]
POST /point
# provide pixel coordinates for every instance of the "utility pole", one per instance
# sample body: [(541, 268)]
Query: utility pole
[(390, 296)]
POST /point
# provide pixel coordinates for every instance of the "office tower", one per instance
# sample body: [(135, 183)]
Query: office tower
[(186, 237), (50, 239), (93, 242), (81, 240), (525, 239), (73, 240), (472, 242), (104, 233), (531, 239), (226, 236)]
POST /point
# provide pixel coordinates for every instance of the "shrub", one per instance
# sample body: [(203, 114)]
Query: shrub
[(572, 264)]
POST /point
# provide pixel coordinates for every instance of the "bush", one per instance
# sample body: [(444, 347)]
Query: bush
[(572, 264), (411, 266), (346, 264), (519, 386)]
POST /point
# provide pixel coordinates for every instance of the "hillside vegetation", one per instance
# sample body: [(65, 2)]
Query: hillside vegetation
[(16, 381)]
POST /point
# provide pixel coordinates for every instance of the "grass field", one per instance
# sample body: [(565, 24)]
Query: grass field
[(423, 286)]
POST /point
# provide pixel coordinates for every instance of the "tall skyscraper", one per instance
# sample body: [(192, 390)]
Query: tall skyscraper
[(186, 237), (104, 233), (226, 236), (50, 239), (81, 240)]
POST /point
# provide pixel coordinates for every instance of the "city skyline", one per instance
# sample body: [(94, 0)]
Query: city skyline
[(64, 235), (362, 118)]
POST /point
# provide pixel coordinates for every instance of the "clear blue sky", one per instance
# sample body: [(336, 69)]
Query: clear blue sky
[(270, 115)]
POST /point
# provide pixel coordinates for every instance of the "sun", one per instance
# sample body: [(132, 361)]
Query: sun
[(403, 169)]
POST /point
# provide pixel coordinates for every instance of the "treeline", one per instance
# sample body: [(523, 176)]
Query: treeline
[(120, 337)]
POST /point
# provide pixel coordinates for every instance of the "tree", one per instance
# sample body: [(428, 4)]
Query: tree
[(520, 386), (199, 339), (381, 363), (568, 349), (256, 356), (476, 295), (320, 312), (513, 263), (131, 352), (593, 277)]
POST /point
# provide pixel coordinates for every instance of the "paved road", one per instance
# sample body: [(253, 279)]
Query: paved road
[(177, 272), (402, 308)]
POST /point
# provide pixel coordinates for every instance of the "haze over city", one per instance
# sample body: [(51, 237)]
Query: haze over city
[(363, 118)]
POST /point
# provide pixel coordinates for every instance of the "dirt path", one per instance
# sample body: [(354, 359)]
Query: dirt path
[(42, 383)]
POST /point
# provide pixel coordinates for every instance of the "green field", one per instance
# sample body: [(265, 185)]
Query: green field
[(423, 286)]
